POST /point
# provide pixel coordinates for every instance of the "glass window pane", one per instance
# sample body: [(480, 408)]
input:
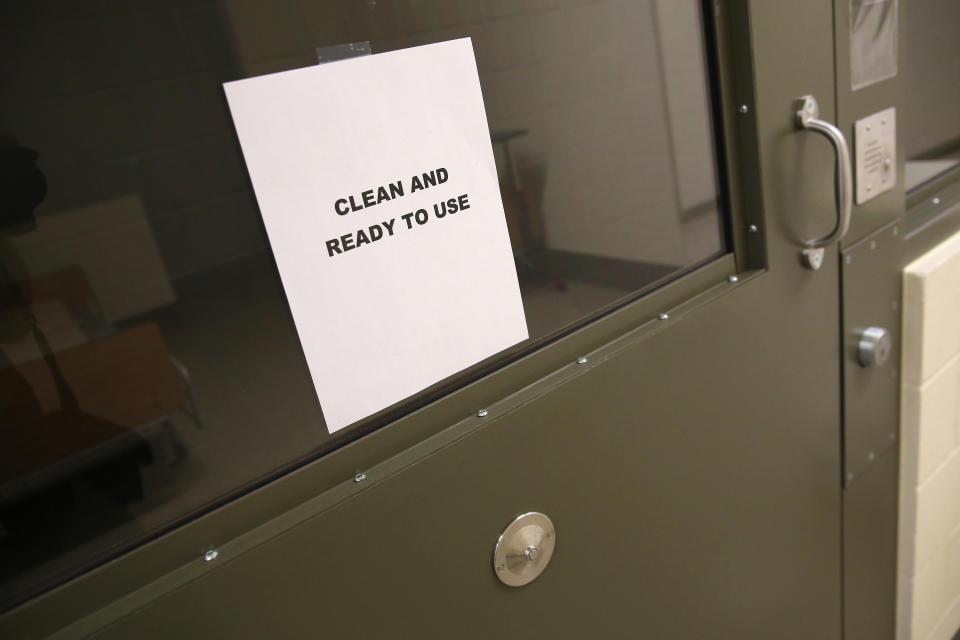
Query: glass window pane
[(932, 81), (149, 367), (873, 41)]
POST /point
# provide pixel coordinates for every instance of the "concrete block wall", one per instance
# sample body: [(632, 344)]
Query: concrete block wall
[(929, 553)]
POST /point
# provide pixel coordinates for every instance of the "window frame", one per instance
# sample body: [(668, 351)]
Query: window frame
[(143, 563)]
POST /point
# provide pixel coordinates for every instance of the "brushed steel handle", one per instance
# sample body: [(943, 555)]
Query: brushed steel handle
[(808, 118)]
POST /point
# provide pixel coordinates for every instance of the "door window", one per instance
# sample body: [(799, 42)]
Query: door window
[(149, 367), (932, 87)]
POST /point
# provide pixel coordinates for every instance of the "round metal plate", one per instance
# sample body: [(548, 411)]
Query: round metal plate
[(524, 549)]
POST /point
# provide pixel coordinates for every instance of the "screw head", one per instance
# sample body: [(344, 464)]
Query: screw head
[(482, 413), (744, 108), (582, 360), (664, 316), (733, 279), (848, 259), (210, 555), (752, 228), (808, 105), (873, 245), (360, 477), (812, 258), (935, 201)]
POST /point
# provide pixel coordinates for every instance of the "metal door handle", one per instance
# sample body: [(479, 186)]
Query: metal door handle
[(808, 112)]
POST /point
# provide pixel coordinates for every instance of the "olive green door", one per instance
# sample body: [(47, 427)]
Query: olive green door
[(687, 444)]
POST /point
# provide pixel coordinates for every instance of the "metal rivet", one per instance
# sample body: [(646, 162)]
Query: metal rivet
[(664, 316), (582, 360), (935, 201), (733, 279), (360, 477), (752, 228), (744, 108), (482, 413), (210, 555)]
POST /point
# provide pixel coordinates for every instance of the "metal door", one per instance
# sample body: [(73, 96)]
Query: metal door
[(686, 446)]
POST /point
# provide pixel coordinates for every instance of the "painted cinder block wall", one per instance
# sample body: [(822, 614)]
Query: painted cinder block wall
[(929, 553)]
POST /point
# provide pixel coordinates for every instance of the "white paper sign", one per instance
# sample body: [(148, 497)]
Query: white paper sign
[(377, 185)]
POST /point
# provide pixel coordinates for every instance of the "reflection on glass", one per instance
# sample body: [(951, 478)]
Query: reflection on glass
[(148, 363), (932, 80), (873, 41)]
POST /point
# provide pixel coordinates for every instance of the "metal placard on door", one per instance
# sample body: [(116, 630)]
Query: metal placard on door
[(871, 329)]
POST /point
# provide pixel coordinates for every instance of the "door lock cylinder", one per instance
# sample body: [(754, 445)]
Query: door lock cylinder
[(874, 347)]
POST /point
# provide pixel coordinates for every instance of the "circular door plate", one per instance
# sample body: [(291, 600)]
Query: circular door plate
[(524, 549)]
